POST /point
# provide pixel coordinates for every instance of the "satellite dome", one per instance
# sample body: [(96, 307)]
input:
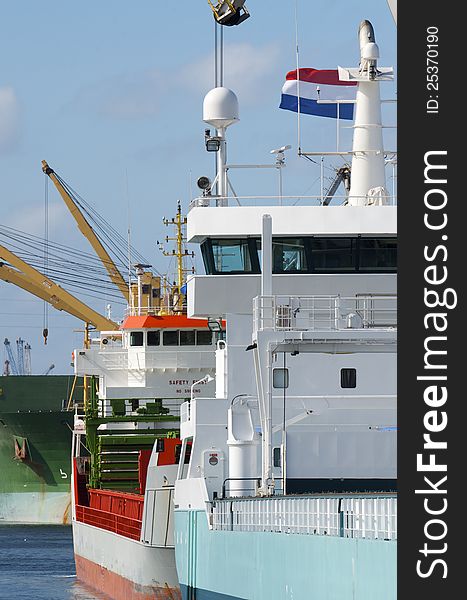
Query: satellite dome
[(220, 107)]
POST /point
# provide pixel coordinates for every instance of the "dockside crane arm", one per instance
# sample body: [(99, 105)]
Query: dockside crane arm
[(89, 233), (33, 281)]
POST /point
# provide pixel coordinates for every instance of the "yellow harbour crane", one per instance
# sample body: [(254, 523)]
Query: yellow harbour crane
[(88, 232), (33, 281)]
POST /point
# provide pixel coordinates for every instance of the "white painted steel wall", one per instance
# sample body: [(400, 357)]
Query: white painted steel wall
[(242, 221), (223, 294)]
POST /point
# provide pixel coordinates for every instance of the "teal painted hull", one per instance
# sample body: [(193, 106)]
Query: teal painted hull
[(226, 565)]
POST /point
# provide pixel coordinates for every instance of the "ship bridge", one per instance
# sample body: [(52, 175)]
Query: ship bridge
[(355, 244)]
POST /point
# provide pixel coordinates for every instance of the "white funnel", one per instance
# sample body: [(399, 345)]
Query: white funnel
[(368, 179)]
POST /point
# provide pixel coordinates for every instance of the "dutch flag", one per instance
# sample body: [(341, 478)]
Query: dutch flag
[(314, 85)]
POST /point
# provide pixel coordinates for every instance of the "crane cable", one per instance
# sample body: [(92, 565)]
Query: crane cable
[(45, 324), (108, 235)]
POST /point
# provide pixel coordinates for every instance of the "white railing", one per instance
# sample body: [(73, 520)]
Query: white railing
[(185, 413), (316, 200), (157, 359), (324, 313), (369, 517)]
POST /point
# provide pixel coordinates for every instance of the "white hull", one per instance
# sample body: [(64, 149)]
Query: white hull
[(121, 567)]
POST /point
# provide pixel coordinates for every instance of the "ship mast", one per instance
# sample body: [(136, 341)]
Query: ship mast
[(368, 181), (181, 254)]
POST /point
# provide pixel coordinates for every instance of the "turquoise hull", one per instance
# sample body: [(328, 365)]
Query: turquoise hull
[(234, 565)]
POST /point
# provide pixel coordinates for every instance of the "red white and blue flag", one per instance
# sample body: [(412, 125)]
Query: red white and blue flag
[(322, 85)]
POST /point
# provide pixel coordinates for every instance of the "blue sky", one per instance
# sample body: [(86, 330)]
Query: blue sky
[(110, 94)]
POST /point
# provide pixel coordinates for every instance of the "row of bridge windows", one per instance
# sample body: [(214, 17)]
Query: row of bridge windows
[(182, 337), (302, 255)]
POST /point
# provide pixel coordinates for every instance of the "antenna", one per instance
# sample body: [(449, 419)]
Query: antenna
[(280, 163), (220, 109), (179, 221), (130, 295), (299, 148)]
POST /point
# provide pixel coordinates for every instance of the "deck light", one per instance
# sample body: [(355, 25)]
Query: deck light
[(213, 143), (215, 325)]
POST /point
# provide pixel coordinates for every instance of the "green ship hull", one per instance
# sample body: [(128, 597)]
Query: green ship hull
[(35, 448)]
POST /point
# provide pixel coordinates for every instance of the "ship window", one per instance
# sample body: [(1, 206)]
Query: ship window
[(178, 449), (288, 255), (170, 338), (334, 254), (378, 254), (232, 256), (156, 292), (146, 288), (154, 338), (276, 456), (280, 378), (187, 338), (203, 338), (310, 254), (348, 378), (136, 338)]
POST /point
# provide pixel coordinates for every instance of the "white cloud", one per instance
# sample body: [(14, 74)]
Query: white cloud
[(122, 97), (246, 70), (9, 119), (141, 95)]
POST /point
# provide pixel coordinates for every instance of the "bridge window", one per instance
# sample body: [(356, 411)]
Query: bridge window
[(203, 338), (187, 338), (170, 338), (378, 254), (288, 255), (334, 254), (154, 338), (311, 254), (230, 256), (136, 338)]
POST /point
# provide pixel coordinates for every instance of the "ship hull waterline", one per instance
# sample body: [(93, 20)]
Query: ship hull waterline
[(122, 568), (35, 449)]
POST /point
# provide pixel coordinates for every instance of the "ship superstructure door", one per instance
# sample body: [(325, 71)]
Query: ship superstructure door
[(214, 470)]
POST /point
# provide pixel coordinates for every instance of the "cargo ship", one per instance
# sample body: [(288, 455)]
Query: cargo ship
[(281, 482), (35, 447), (126, 448), (290, 487)]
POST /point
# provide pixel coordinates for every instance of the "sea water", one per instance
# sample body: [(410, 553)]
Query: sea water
[(36, 563)]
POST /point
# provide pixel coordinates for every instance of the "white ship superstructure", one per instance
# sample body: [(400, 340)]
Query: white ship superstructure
[(305, 406)]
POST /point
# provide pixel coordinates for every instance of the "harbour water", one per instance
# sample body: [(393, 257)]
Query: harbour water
[(36, 563)]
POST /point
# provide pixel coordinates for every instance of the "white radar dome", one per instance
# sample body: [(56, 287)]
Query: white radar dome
[(370, 51), (220, 107)]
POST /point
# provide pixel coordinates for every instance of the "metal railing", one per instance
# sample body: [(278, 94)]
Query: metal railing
[(324, 313), (106, 407), (126, 526), (315, 200), (117, 359), (356, 516)]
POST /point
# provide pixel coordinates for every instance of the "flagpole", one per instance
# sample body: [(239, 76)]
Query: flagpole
[(337, 125), (299, 144)]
